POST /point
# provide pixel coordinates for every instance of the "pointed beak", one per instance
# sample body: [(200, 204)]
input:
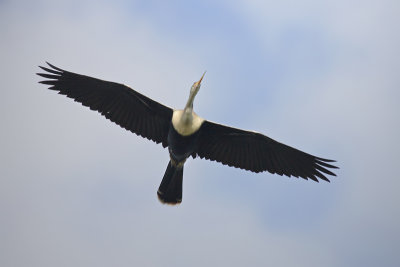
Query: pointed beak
[(199, 82)]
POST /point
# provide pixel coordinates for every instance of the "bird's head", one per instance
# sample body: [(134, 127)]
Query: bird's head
[(196, 86)]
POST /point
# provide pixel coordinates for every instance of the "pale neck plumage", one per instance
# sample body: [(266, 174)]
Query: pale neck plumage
[(185, 121), (187, 116)]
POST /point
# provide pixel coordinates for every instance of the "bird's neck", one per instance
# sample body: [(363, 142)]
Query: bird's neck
[(187, 116), (185, 121), (189, 103)]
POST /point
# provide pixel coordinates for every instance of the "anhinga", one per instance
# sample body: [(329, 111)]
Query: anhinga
[(184, 132)]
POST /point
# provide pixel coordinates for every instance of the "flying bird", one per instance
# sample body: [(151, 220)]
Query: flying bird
[(184, 132)]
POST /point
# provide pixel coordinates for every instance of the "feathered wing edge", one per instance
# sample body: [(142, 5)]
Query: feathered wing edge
[(145, 117), (257, 153), (117, 102)]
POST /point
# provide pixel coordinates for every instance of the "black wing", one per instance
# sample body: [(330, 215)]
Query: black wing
[(257, 153), (117, 102)]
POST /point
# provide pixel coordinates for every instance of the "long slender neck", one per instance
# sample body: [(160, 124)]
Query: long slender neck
[(187, 116)]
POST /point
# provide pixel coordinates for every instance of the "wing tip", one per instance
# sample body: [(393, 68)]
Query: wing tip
[(52, 66)]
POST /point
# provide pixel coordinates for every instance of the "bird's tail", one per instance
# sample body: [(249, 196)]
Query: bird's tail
[(170, 190)]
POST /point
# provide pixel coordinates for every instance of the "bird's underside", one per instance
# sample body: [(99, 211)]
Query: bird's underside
[(145, 117)]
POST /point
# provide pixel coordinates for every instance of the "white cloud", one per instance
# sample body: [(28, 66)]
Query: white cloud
[(77, 190), (350, 105)]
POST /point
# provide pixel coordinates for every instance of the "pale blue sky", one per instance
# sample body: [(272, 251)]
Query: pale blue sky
[(77, 190)]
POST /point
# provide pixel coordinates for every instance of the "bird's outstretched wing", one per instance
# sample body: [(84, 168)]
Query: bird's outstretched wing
[(117, 102), (257, 153)]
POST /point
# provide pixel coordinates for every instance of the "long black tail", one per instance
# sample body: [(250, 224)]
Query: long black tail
[(170, 190)]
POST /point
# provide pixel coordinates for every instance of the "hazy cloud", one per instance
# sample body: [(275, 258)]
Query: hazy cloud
[(77, 190)]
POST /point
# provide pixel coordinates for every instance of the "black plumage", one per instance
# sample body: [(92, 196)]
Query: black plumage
[(145, 117), (117, 102), (257, 153)]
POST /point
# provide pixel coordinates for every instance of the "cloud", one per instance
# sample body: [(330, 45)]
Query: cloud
[(76, 189)]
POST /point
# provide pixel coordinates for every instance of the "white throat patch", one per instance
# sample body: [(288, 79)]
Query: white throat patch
[(186, 128)]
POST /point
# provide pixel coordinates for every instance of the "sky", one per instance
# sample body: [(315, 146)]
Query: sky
[(322, 76)]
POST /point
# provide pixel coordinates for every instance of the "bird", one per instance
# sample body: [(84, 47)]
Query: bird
[(185, 133)]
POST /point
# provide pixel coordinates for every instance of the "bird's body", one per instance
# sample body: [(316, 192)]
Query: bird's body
[(186, 122), (184, 132)]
